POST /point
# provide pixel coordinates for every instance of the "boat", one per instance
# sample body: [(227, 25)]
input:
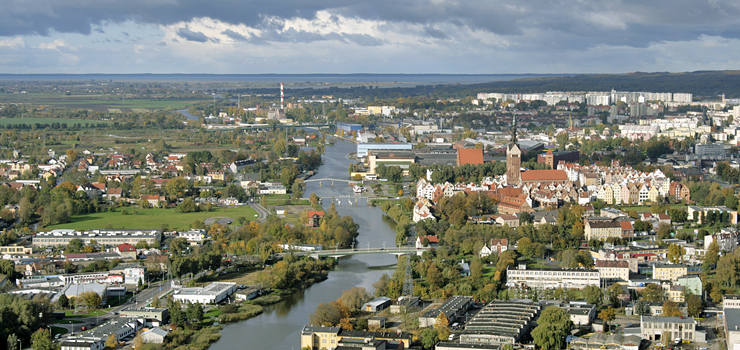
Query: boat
[(358, 189)]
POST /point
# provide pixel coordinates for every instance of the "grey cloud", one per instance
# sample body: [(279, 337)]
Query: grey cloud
[(190, 35), (568, 24), (234, 35), (435, 33), (161, 43), (363, 39)]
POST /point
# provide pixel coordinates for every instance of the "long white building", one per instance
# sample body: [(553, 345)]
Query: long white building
[(552, 278)]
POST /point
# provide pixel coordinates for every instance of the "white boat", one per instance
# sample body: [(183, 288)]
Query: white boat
[(358, 189)]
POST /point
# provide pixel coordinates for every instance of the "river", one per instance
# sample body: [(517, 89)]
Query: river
[(279, 326)]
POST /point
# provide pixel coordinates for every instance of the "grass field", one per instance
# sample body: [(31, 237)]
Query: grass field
[(71, 313), (31, 121), (150, 218), (639, 208)]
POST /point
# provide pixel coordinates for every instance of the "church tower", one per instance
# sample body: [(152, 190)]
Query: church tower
[(513, 158)]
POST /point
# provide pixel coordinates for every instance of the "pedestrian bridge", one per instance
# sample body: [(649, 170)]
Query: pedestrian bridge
[(332, 180)]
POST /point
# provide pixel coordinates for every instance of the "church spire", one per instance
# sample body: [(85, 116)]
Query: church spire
[(513, 131)]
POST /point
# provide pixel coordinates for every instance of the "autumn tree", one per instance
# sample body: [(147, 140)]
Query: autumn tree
[(327, 314), (670, 309), (111, 342), (693, 304), (607, 315), (676, 253), (354, 298)]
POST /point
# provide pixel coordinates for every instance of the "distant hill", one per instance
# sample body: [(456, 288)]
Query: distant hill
[(700, 83)]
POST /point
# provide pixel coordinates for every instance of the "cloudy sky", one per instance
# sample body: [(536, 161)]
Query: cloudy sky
[(368, 36)]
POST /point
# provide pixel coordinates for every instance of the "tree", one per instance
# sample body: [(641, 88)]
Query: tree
[(434, 276), (670, 309), (12, 342), (676, 253), (90, 299), (381, 286), (178, 245), (111, 342), (7, 267), (693, 304), (642, 308), (63, 301), (75, 245), (664, 230), (195, 313), (552, 327), (712, 255), (354, 298), (326, 314), (593, 295), (429, 338), (41, 340), (177, 187), (476, 270), (525, 218), (314, 199), (653, 292), (607, 315), (138, 342)]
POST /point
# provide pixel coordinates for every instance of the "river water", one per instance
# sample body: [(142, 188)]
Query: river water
[(279, 326)]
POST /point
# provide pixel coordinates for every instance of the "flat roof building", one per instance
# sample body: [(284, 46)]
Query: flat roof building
[(159, 314), (61, 237), (210, 294), (501, 322), (553, 278)]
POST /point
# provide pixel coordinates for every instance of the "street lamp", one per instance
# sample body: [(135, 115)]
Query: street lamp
[(20, 344)]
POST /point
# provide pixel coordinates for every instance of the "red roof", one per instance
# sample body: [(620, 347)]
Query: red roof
[(544, 175), (626, 225), (432, 239), (313, 212), (469, 156), (126, 248)]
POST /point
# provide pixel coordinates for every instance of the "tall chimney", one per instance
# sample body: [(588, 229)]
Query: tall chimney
[(281, 96)]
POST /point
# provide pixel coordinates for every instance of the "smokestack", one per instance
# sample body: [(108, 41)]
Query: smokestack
[(281, 96)]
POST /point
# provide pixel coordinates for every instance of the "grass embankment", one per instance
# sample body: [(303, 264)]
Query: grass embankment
[(58, 330), (243, 311), (188, 339), (149, 218), (93, 313)]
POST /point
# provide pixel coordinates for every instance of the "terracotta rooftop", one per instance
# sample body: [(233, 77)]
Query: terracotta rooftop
[(469, 156), (544, 175)]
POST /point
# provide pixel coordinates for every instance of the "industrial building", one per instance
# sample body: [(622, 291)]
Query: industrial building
[(452, 309), (149, 313), (363, 148), (501, 322), (210, 294), (61, 237)]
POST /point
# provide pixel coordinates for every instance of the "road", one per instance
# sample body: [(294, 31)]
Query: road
[(263, 213)]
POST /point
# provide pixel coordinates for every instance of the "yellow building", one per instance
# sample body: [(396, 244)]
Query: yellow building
[(653, 194), (326, 338), (669, 272), (602, 228), (674, 293), (319, 338)]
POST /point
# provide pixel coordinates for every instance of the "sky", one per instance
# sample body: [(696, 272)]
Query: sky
[(368, 36)]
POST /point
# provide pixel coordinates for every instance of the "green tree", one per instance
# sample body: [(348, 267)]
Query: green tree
[(177, 188), (593, 295), (75, 245), (327, 314), (434, 276), (553, 326), (7, 268), (63, 301), (653, 292), (664, 230), (381, 286), (195, 313), (41, 340), (91, 299), (693, 304), (429, 338), (178, 245), (12, 342)]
